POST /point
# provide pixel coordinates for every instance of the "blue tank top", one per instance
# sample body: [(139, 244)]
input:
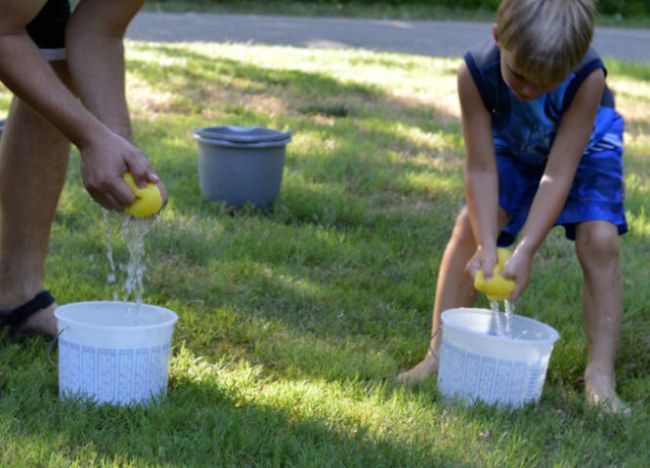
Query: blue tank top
[(525, 130)]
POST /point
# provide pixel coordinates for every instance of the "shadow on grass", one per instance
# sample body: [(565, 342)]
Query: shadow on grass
[(216, 415), (199, 424)]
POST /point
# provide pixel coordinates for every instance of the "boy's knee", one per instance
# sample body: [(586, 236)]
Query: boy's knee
[(597, 241), (463, 229)]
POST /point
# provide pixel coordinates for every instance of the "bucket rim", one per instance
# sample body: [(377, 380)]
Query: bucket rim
[(242, 145), (242, 134), (550, 340), (57, 313)]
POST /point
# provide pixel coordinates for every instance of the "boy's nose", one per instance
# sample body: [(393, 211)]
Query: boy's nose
[(527, 91)]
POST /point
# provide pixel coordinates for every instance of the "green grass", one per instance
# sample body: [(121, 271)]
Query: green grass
[(293, 322)]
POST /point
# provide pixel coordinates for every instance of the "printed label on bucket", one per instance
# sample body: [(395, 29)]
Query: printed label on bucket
[(472, 377), (118, 376)]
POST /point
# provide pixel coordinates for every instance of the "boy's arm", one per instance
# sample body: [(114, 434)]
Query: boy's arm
[(481, 175), (572, 138)]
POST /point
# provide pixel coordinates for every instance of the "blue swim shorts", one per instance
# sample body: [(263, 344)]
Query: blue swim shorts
[(596, 194)]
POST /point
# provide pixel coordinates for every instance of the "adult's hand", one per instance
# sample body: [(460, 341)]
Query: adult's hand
[(105, 159)]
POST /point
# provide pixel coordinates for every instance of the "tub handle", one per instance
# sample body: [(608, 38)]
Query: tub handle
[(433, 335), (51, 344)]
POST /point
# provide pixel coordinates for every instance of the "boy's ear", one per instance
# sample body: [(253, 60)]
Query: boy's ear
[(495, 33)]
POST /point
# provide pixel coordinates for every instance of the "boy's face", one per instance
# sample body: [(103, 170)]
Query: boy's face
[(525, 88)]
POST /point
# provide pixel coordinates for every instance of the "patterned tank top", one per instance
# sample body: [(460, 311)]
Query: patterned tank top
[(526, 130)]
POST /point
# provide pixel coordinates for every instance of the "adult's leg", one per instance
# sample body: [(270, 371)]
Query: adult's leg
[(597, 247), (95, 51), (33, 163)]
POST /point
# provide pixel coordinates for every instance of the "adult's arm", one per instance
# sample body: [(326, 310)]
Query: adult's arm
[(95, 53), (26, 73)]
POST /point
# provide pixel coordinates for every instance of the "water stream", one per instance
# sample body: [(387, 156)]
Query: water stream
[(510, 309), (111, 277), (503, 329), (132, 232), (494, 305)]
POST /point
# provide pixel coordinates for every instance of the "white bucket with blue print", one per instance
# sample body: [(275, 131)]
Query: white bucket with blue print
[(114, 352), (479, 362)]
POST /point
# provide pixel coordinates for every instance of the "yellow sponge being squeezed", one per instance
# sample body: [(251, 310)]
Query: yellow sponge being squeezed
[(148, 200), (496, 288)]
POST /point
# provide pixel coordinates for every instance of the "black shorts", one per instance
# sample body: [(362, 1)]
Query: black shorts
[(47, 29)]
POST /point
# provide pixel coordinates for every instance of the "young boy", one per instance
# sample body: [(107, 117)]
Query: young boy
[(544, 148)]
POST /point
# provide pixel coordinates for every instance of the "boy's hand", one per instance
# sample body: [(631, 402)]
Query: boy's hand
[(518, 269), (483, 259)]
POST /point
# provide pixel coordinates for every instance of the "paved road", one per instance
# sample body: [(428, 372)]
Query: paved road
[(435, 38)]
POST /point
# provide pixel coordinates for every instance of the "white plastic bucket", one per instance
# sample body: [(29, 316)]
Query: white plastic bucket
[(478, 363), (111, 352)]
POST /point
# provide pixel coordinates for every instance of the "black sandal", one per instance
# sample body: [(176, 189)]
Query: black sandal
[(17, 317)]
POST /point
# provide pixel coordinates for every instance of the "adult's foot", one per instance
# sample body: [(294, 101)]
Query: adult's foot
[(42, 322), (424, 369), (35, 316), (600, 391)]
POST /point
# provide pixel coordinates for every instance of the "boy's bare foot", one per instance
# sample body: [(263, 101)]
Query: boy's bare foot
[(42, 322), (600, 391), (426, 368)]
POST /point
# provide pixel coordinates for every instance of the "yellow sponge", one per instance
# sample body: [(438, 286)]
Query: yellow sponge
[(148, 200), (496, 288)]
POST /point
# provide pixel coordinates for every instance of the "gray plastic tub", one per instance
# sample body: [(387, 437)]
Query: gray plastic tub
[(239, 165)]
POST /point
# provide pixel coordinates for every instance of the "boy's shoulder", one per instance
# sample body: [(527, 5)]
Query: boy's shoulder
[(482, 55), (486, 55), (592, 60)]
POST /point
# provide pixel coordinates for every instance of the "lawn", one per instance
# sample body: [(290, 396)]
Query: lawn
[(294, 321)]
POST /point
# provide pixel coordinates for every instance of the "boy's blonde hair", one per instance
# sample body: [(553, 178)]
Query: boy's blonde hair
[(547, 38)]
